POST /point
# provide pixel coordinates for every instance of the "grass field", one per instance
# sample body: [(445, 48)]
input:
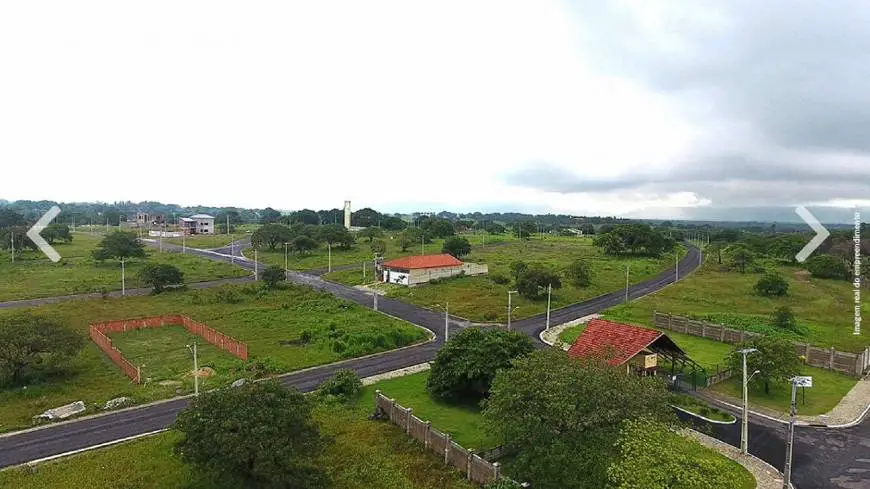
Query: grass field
[(162, 355), (363, 454), (271, 323), (206, 241), (33, 275), (711, 355), (481, 299), (824, 308)]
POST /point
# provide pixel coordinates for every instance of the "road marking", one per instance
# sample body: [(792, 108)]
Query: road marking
[(822, 234), (41, 243)]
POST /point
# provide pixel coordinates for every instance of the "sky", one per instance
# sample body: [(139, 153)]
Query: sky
[(649, 108)]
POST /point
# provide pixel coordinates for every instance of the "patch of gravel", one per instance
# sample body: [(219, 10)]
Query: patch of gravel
[(551, 336), (413, 369), (766, 477)]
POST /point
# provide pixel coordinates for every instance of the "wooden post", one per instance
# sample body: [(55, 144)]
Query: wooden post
[(831, 360), (408, 422), (703, 330), (722, 333), (138, 374), (446, 448), (470, 462), (392, 409), (496, 469), (427, 435)]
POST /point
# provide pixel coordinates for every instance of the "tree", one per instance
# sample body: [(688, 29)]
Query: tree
[(258, 435), (345, 385), (827, 266), (269, 216), (119, 244), (532, 283), (636, 239), (393, 223), (741, 257), (771, 285), (273, 275), (54, 232), (18, 234), (651, 455), (456, 246), (579, 273), (34, 347), (160, 275), (336, 234), (524, 229), (609, 243), (587, 229), (786, 246), (438, 228), (303, 244), (305, 216), (371, 233), (412, 236), (776, 360), (271, 236), (560, 416), (9, 218), (379, 247), (783, 318), (365, 218), (465, 366), (495, 228)]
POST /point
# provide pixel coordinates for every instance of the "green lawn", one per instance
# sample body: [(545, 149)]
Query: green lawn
[(33, 275), (569, 335), (824, 308), (271, 323), (162, 354), (206, 241), (363, 454), (711, 354), (481, 299), (695, 406)]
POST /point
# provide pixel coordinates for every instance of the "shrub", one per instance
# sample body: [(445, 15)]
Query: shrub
[(827, 266), (456, 246), (32, 347), (579, 273), (228, 295), (772, 285), (783, 318), (534, 281), (272, 276), (160, 275), (499, 279), (344, 385)]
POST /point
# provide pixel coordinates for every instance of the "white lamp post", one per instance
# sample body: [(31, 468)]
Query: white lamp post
[(510, 292), (549, 294), (123, 279), (446, 319), (744, 429), (627, 280), (795, 383), (195, 370)]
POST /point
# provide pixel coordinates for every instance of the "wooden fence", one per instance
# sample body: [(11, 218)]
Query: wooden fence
[(97, 332), (475, 468), (854, 364)]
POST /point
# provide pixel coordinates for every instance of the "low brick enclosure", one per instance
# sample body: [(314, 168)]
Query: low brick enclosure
[(97, 332)]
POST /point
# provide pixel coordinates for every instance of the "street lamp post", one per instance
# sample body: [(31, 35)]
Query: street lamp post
[(446, 319), (549, 294), (256, 267), (123, 279), (795, 383), (627, 280), (329, 259), (195, 370), (510, 292), (744, 428)]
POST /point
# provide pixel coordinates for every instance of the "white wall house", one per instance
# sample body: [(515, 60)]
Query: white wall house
[(197, 224)]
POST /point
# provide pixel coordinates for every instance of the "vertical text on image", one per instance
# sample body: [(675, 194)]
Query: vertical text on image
[(857, 272)]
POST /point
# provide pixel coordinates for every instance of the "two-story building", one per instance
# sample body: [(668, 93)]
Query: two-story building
[(197, 224)]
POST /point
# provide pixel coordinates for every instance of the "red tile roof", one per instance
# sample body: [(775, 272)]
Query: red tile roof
[(423, 261), (606, 337)]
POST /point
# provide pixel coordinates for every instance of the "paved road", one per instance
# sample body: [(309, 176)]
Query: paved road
[(824, 458)]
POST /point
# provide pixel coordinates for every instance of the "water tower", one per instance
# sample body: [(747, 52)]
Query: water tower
[(347, 214)]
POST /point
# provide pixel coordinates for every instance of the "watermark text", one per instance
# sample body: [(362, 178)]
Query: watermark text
[(857, 272)]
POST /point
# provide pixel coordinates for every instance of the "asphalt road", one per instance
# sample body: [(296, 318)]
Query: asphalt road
[(823, 458)]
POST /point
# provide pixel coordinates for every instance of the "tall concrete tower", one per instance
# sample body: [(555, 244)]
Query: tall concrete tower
[(347, 214)]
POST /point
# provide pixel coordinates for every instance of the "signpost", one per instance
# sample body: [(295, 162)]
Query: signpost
[(795, 383)]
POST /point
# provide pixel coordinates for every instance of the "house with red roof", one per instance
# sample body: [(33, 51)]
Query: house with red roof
[(641, 350), (416, 270)]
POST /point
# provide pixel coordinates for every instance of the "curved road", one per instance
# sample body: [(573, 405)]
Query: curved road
[(823, 458)]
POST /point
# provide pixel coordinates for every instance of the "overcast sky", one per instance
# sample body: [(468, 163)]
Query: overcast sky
[(581, 107)]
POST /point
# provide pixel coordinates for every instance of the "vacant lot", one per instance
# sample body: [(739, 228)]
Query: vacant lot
[(33, 275), (285, 330), (364, 454), (711, 355), (824, 308), (482, 299), (162, 355)]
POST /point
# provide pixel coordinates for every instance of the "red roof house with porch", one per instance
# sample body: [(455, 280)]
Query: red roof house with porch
[(621, 344)]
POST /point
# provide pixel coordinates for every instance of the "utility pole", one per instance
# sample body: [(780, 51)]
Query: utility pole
[(627, 280), (329, 254), (678, 267), (795, 383), (195, 370), (232, 252), (744, 429), (160, 240), (364, 271), (123, 279), (446, 320), (422, 245), (510, 292), (256, 269), (375, 293), (12, 236), (549, 293), (183, 243)]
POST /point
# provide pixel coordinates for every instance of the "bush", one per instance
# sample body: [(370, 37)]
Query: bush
[(160, 275), (503, 484), (533, 282), (344, 385), (465, 366), (272, 276), (772, 285), (33, 347), (827, 266), (456, 246), (579, 273), (783, 318), (499, 279)]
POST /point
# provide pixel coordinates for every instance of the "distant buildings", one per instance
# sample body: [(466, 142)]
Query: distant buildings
[(416, 270), (145, 220), (197, 224)]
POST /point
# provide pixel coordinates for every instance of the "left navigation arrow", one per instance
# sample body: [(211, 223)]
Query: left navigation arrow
[(33, 234)]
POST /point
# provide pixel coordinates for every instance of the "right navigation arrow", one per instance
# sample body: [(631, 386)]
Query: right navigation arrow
[(822, 234)]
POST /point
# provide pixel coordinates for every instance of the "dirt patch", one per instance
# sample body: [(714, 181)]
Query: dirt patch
[(169, 383), (802, 275), (205, 372)]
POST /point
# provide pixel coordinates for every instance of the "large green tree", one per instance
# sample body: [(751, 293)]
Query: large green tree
[(371, 233), (269, 216), (827, 266), (456, 246), (465, 366), (158, 276), (119, 244), (258, 435), (271, 236), (533, 282), (33, 346), (579, 273), (741, 257), (776, 360), (560, 416), (336, 235), (524, 229)]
